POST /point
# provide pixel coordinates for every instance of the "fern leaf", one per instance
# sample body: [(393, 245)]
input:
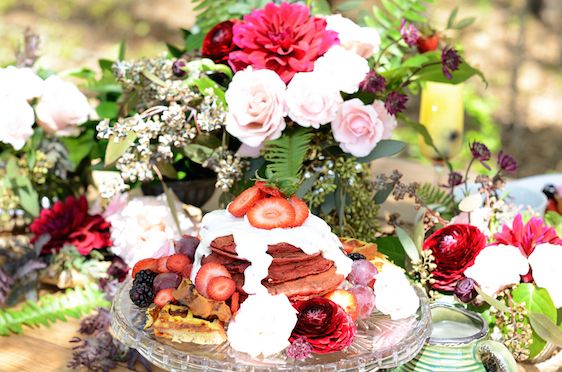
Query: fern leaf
[(52, 307), (430, 194)]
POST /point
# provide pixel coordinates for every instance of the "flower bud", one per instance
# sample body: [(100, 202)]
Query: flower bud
[(466, 290)]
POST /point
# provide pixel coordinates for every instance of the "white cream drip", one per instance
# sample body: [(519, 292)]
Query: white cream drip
[(312, 237)]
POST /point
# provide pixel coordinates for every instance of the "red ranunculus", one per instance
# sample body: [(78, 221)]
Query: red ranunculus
[(284, 38), (218, 42), (324, 325), (68, 222), (454, 247)]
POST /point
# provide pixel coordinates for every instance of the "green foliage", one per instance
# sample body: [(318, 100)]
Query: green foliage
[(50, 308), (285, 157), (433, 195), (384, 148), (554, 219), (391, 247)]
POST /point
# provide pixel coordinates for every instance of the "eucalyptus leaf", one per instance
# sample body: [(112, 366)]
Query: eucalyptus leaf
[(306, 185), (464, 23), (12, 169), (115, 150), (407, 244), (197, 153), (492, 301), (329, 203), (383, 149), (167, 170), (29, 200), (452, 17), (383, 194), (545, 328), (122, 49)]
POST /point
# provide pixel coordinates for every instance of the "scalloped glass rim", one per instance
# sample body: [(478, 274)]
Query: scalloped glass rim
[(128, 321)]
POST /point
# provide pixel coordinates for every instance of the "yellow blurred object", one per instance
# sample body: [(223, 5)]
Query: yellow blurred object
[(442, 113)]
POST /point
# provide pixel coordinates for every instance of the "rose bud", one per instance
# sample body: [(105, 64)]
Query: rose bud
[(218, 43), (466, 290)]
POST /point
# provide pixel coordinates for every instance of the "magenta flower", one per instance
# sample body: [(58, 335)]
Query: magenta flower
[(395, 102), (481, 153), (507, 162), (450, 61), (373, 83), (455, 179), (409, 33)]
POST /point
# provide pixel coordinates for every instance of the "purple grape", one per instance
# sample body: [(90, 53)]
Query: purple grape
[(187, 245), (362, 273), (365, 300), (166, 280)]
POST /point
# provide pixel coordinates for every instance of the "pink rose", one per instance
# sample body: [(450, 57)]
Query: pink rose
[(61, 108), (311, 102), (16, 125), (388, 120), (357, 127), (256, 106), (20, 83)]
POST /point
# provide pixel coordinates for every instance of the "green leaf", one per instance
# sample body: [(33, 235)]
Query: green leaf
[(383, 149), (12, 169), (381, 195), (390, 246), (435, 73), (29, 200), (197, 153), (204, 83), (349, 5), (106, 64), (174, 50), (492, 301), (121, 54), (464, 23), (167, 170), (554, 219), (452, 17), (321, 7), (79, 147), (108, 110), (306, 185), (115, 150), (408, 244), (431, 194), (546, 328)]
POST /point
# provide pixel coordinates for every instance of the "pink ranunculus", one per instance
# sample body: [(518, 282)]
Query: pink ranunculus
[(62, 107), (357, 127), (283, 38), (388, 120), (256, 106), (16, 125), (365, 41), (20, 83), (311, 101)]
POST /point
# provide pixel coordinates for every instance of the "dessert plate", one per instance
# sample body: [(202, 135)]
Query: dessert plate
[(380, 343)]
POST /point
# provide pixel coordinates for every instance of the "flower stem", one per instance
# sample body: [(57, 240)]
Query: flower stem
[(466, 175), (392, 42)]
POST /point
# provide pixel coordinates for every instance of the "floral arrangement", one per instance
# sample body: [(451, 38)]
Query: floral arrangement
[(45, 138), (306, 107)]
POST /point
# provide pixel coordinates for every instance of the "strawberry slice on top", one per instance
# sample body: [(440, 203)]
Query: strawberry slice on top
[(271, 213), (246, 200), (271, 191), (301, 210)]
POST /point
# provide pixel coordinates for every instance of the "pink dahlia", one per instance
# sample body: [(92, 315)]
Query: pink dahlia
[(284, 38)]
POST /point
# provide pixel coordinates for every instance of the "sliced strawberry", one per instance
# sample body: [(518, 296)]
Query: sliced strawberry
[(207, 272), (164, 297), (301, 210), (271, 213), (163, 264), (346, 300), (246, 200), (186, 272), (177, 262), (220, 288), (146, 264), (269, 190), (235, 302)]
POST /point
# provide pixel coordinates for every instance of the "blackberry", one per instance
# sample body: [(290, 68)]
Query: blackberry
[(145, 277), (356, 256), (141, 294)]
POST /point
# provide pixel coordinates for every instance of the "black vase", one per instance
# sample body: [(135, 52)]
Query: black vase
[(192, 192)]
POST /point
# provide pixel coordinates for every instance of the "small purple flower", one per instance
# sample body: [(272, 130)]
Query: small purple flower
[(395, 102), (299, 349), (118, 269), (373, 83), (455, 179), (450, 61), (507, 162), (409, 33), (177, 67), (466, 290), (481, 153)]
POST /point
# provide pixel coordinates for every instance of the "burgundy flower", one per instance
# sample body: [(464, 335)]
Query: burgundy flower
[(177, 67), (454, 247), (455, 179), (324, 325), (373, 83), (395, 102), (506, 162), (68, 222), (409, 33), (481, 153), (218, 43), (450, 61), (465, 290), (284, 38)]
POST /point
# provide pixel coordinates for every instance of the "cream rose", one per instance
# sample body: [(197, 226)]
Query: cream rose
[(364, 41), (256, 106), (20, 83), (342, 69), (388, 120), (62, 107), (545, 262), (311, 101), (357, 127), (16, 125)]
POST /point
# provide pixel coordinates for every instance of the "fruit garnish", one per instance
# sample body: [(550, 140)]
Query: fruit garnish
[(269, 190), (271, 213), (142, 292), (349, 244), (246, 200), (164, 297), (187, 245), (177, 262), (146, 264), (356, 256), (166, 280), (235, 302), (427, 43), (220, 288), (365, 297), (346, 300), (301, 210), (363, 272), (186, 272), (163, 265), (201, 306), (207, 272)]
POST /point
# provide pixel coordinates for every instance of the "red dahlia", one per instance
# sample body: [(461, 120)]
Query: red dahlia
[(68, 222), (284, 38), (454, 247), (324, 325)]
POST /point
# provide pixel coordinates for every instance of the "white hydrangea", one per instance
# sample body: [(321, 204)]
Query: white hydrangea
[(394, 295), (545, 262)]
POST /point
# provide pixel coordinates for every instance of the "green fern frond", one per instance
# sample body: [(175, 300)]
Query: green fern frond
[(285, 157), (51, 308), (430, 194)]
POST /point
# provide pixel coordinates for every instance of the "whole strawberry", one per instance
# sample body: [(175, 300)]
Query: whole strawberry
[(428, 43)]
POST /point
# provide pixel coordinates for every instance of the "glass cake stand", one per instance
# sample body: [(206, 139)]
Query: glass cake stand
[(380, 344)]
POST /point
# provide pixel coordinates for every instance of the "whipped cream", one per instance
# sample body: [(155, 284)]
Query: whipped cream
[(312, 237)]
